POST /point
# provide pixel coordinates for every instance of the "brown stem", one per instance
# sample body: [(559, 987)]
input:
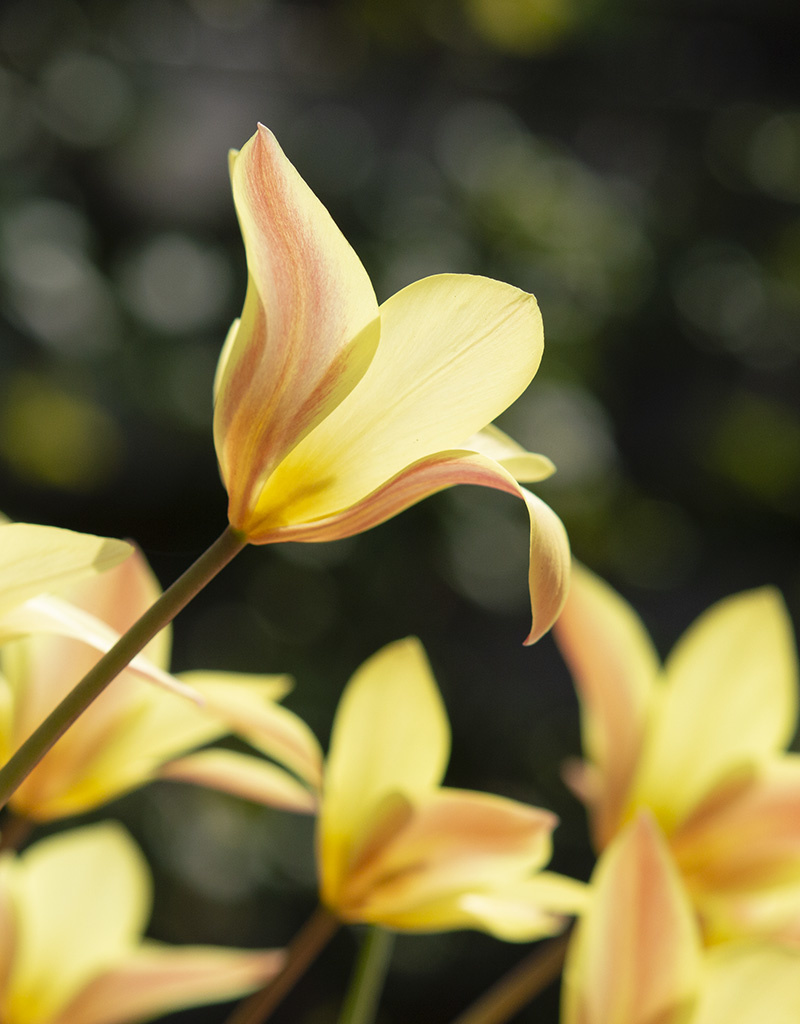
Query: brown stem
[(303, 950), (15, 830), (517, 988)]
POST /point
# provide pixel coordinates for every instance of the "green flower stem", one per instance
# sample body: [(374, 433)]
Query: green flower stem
[(522, 983), (159, 615), (303, 950), (366, 985)]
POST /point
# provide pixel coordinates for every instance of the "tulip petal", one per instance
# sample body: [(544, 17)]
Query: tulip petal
[(454, 843), (750, 984), (308, 330), (746, 837), (243, 776), (526, 467), (52, 615), (455, 351), (730, 700), (549, 558), (390, 737), (614, 666), (635, 955), (156, 980), (35, 559), (130, 731), (94, 876), (528, 909), (247, 705)]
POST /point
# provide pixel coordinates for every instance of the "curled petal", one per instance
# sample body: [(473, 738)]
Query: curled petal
[(454, 352), (243, 776), (730, 700), (35, 559), (549, 558), (308, 330), (615, 667), (155, 980), (635, 955)]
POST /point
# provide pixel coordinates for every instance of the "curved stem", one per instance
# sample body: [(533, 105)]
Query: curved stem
[(303, 950), (366, 985), (517, 988), (157, 616)]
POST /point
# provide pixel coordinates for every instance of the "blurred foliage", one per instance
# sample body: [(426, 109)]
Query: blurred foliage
[(636, 166)]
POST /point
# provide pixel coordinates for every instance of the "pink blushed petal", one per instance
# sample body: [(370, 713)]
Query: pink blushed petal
[(308, 330), (156, 980), (456, 842), (615, 667), (549, 557), (747, 839), (635, 956), (243, 776)]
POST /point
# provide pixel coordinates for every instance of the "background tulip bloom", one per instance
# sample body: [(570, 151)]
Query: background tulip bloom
[(72, 911), (333, 414), (36, 560), (700, 743), (636, 956), (134, 731), (396, 848)]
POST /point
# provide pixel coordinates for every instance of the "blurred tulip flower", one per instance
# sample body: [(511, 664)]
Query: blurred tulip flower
[(636, 956), (135, 732), (333, 414), (36, 560), (397, 849), (699, 742), (72, 911)]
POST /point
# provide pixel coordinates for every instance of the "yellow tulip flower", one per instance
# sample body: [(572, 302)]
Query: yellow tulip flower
[(333, 414), (134, 731), (397, 849), (637, 956), (699, 742), (72, 911)]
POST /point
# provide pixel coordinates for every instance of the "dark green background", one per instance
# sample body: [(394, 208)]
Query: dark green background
[(635, 165)]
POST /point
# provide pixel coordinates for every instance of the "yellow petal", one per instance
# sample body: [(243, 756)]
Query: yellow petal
[(454, 843), (635, 955), (526, 467), (528, 909), (549, 557), (129, 732), (751, 984), (390, 736), (308, 329), (243, 776), (157, 979), (35, 559), (247, 705), (82, 899), (614, 666), (65, 621), (730, 700), (745, 836), (455, 351)]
